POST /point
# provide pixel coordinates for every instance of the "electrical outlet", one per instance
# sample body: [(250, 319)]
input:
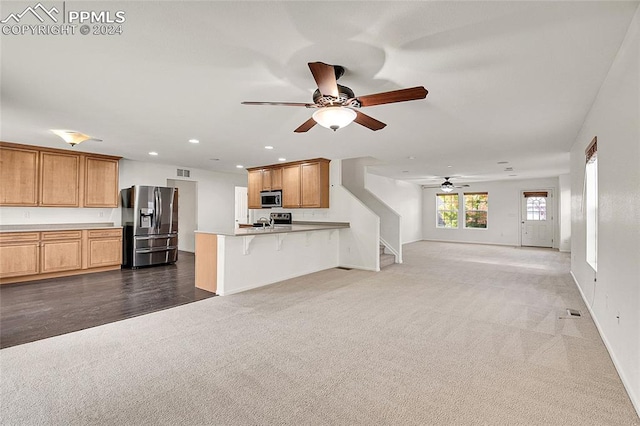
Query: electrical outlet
[(101, 214), (618, 317), (26, 215)]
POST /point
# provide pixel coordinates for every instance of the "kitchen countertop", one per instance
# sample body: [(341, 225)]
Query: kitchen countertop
[(57, 227), (281, 229)]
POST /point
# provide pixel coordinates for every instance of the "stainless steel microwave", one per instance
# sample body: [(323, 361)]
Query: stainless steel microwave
[(270, 199)]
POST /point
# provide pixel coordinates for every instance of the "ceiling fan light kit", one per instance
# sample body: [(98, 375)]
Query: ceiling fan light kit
[(334, 117), (447, 186), (336, 103), (72, 137)]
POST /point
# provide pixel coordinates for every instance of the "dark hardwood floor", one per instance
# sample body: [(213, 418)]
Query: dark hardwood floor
[(40, 309)]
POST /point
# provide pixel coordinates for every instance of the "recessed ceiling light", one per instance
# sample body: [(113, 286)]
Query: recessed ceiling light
[(449, 166), (411, 157), (239, 166), (153, 153), (282, 159), (268, 147), (194, 141), (503, 162)]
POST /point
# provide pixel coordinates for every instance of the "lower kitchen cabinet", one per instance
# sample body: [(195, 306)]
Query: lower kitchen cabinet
[(19, 254), (61, 256), (104, 248), (26, 256)]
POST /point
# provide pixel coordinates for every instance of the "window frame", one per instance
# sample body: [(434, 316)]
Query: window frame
[(590, 204), (464, 206), (457, 210)]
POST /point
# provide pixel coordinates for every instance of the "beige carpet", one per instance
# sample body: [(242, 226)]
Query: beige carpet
[(457, 335)]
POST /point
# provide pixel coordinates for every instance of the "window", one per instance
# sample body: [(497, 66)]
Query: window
[(536, 205), (447, 211), (476, 208), (591, 203)]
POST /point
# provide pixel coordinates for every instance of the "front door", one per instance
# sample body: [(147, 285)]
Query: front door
[(537, 218)]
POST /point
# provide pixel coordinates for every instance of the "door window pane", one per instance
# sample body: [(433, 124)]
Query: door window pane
[(536, 208)]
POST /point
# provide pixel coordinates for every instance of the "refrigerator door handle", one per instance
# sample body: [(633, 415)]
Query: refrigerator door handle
[(156, 249), (159, 208)]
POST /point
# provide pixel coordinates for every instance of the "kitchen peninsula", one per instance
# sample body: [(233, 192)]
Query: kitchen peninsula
[(245, 258)]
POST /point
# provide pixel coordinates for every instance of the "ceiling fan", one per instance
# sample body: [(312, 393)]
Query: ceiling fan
[(446, 186), (337, 105)]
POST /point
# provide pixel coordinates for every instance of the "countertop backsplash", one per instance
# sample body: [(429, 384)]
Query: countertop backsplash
[(57, 215)]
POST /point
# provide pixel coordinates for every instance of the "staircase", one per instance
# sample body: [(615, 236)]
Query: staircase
[(386, 259)]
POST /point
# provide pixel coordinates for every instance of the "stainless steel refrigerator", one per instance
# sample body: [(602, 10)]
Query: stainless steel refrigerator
[(150, 221)]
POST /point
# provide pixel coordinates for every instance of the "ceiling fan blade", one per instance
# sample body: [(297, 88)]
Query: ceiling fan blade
[(370, 122), (306, 126), (401, 95), (280, 104), (325, 76)]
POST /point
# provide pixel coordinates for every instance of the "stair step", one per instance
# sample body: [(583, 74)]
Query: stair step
[(386, 260)]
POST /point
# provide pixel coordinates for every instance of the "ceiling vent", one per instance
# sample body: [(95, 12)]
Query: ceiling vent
[(184, 173)]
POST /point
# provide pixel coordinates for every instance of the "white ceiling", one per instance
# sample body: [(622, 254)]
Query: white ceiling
[(507, 81)]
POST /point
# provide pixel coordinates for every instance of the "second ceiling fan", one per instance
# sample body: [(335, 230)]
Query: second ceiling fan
[(337, 105)]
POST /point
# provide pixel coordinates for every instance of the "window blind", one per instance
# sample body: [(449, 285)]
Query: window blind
[(592, 149), (535, 194)]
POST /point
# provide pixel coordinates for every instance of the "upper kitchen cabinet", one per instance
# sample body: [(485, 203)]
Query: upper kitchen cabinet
[(18, 176), (276, 178), (291, 186), (254, 188), (59, 179), (36, 176), (304, 184), (101, 182), (314, 184)]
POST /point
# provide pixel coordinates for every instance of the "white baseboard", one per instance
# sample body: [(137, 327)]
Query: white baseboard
[(471, 242), (616, 364)]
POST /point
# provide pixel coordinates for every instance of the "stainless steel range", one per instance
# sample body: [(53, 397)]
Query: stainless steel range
[(280, 218)]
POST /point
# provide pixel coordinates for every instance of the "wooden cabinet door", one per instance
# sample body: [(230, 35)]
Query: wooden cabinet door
[(59, 179), (266, 180), (65, 255), (104, 252), (254, 188), (18, 177), (276, 178), (101, 182), (19, 254), (310, 184), (291, 186)]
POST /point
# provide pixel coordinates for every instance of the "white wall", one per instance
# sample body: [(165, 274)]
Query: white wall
[(504, 213), (614, 300), (564, 199), (216, 191), (272, 258), (403, 197)]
